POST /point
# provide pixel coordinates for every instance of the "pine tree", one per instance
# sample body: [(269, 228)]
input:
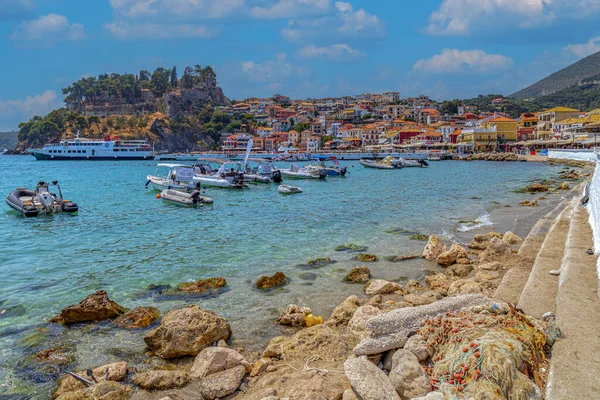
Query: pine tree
[(174, 77)]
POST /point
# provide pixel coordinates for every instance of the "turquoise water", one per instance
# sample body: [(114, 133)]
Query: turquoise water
[(124, 239)]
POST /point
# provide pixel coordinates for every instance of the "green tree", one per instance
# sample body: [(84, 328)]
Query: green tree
[(174, 77), (144, 75), (160, 80), (187, 80)]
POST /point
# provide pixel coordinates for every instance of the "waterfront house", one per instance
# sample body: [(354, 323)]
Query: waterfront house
[(527, 127), (547, 119), (428, 138), (506, 128), (479, 138)]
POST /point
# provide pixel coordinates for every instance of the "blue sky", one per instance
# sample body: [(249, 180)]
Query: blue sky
[(302, 48)]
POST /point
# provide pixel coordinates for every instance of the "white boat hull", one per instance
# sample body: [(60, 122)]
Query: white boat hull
[(161, 184), (288, 189), (210, 181), (375, 165)]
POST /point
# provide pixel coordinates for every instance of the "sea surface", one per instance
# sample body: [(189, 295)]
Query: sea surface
[(124, 239)]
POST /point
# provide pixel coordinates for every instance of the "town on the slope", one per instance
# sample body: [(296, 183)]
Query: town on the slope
[(385, 122)]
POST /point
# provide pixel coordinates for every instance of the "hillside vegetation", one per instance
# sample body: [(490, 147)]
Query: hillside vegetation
[(563, 79)]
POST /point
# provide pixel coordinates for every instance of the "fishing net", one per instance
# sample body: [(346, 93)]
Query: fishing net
[(493, 354)]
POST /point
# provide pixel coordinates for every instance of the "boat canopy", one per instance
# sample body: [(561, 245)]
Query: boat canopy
[(174, 165)]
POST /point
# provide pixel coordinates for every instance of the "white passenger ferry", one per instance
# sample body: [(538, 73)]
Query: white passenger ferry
[(95, 149)]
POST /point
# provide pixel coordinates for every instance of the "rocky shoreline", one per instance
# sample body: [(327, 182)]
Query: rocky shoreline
[(443, 337), (439, 339)]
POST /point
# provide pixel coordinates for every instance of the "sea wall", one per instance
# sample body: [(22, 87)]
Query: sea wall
[(572, 154)]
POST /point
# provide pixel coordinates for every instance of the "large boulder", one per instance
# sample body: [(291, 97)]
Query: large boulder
[(358, 275), (294, 315), (115, 372), (95, 307), (511, 238), (449, 257), (319, 340), (464, 286), (342, 314), (537, 188), (269, 282), (407, 375), (216, 359), (434, 248), (368, 381), (186, 331), (360, 317), (139, 317), (380, 286), (222, 383), (496, 247), (202, 285), (161, 379)]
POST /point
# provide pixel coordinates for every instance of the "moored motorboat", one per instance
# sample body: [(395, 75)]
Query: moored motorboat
[(32, 203), (229, 174), (186, 199), (414, 163), (178, 177), (332, 170), (262, 171), (288, 189), (386, 163), (296, 172)]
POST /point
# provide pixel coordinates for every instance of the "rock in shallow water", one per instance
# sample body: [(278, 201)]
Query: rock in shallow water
[(95, 307), (186, 331), (434, 248), (202, 285), (358, 275), (269, 282), (139, 317), (368, 381), (102, 391), (116, 373)]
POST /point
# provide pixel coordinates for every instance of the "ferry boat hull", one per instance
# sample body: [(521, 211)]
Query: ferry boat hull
[(53, 157)]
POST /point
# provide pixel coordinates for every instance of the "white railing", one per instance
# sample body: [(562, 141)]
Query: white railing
[(573, 154)]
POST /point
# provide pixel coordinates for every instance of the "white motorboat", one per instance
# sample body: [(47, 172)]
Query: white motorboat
[(296, 172), (179, 177), (386, 163), (32, 203), (288, 189), (261, 171), (332, 170), (229, 174), (186, 199)]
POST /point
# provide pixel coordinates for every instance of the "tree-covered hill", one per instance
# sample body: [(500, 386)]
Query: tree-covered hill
[(565, 78)]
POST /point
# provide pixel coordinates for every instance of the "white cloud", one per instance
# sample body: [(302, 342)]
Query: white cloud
[(584, 49), (459, 61), (461, 17), (335, 52), (290, 8), (157, 31), (345, 23), (275, 71), (51, 27), (181, 8), (12, 112)]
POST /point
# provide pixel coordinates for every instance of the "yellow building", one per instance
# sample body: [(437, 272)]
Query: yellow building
[(547, 119), (506, 128)]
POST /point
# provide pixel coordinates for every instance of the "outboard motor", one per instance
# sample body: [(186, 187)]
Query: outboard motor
[(47, 200), (322, 174), (277, 176), (238, 179), (196, 197), (423, 163), (343, 171)]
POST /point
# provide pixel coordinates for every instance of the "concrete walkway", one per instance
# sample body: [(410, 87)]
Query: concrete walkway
[(539, 294), (575, 363)]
